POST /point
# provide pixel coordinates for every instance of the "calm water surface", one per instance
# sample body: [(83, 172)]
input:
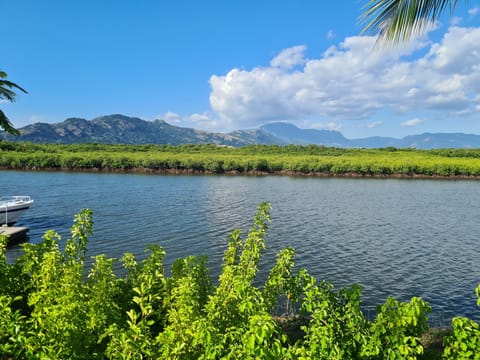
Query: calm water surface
[(394, 237)]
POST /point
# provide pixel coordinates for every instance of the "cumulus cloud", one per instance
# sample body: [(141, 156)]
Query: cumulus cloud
[(289, 58), (350, 81), (411, 122)]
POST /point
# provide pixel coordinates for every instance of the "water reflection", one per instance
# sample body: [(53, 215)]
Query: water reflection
[(394, 237)]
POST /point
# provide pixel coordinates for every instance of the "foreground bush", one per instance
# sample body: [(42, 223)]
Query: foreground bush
[(51, 307)]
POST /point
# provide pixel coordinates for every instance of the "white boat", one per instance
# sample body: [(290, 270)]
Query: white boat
[(12, 207)]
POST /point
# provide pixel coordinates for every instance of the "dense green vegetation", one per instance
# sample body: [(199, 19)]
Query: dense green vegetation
[(53, 307), (291, 159)]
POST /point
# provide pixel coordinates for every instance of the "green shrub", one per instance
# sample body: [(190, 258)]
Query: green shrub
[(52, 307)]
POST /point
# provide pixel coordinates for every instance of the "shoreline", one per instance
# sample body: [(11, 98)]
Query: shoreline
[(288, 173)]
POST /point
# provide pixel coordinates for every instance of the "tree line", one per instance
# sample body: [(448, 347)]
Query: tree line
[(256, 159)]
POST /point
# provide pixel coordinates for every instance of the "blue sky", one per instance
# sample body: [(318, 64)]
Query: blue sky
[(228, 65)]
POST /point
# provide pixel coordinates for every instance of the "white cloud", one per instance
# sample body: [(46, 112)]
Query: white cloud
[(474, 11), (199, 118), (331, 125), (198, 121), (411, 122), (350, 81), (171, 117), (289, 58)]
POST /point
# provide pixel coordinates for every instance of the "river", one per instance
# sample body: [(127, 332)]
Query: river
[(394, 237)]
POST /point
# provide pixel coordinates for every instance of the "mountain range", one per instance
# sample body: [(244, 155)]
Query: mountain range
[(121, 129)]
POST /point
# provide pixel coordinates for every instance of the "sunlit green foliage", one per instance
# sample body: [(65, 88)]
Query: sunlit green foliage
[(464, 342), (53, 307), (290, 159)]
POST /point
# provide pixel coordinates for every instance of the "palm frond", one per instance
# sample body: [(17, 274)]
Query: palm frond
[(6, 91), (396, 21), (6, 125), (6, 88)]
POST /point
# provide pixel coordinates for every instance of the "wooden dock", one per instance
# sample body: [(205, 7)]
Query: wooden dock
[(15, 234)]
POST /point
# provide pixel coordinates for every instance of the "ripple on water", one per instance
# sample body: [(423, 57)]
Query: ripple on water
[(394, 237)]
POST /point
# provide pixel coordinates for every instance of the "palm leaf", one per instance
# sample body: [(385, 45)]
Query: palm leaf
[(6, 92), (7, 125), (398, 20), (6, 87)]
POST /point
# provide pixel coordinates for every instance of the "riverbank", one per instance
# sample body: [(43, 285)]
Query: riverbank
[(190, 172)]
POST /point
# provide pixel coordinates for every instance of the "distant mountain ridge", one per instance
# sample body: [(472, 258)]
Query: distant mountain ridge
[(121, 129), (291, 134)]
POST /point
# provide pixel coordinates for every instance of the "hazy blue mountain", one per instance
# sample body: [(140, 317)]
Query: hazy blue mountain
[(440, 140), (258, 136), (290, 134), (121, 129), (376, 142)]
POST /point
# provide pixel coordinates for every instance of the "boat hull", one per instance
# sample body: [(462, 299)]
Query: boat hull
[(12, 208)]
